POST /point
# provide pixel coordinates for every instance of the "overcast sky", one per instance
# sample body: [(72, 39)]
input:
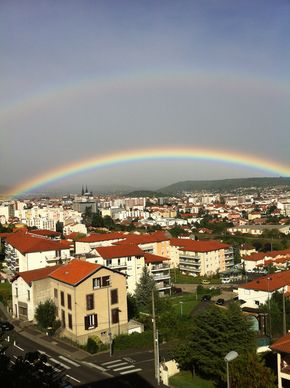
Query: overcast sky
[(91, 77)]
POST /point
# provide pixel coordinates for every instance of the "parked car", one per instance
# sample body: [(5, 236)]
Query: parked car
[(225, 280), (205, 298), (6, 326), (220, 302), (176, 290), (205, 281)]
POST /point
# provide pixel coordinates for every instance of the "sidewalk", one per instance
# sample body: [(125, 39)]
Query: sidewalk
[(29, 331)]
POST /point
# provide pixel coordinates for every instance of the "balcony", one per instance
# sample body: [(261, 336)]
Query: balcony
[(159, 267), (162, 286), (189, 269), (189, 263), (161, 276)]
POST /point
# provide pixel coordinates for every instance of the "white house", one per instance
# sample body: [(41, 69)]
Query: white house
[(89, 243), (24, 252), (259, 291)]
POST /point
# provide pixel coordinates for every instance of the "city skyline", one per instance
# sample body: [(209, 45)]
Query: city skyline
[(89, 80)]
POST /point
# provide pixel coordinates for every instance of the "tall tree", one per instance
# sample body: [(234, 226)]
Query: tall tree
[(144, 289), (45, 314), (214, 333)]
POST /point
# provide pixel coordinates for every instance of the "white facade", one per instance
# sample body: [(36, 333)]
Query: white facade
[(254, 298)]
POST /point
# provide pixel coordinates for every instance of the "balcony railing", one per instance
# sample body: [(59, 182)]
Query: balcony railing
[(161, 276), (159, 267), (189, 269)]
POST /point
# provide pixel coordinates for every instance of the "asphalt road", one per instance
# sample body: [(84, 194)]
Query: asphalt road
[(122, 370)]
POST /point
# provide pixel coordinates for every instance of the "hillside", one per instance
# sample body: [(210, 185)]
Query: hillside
[(224, 184)]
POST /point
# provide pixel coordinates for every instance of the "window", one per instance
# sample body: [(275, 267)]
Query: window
[(28, 294), (97, 283), (70, 321), (16, 292), (62, 318), (114, 296), (105, 281), (55, 293), (109, 262), (69, 301), (91, 321), (62, 298), (257, 302), (115, 315), (90, 301)]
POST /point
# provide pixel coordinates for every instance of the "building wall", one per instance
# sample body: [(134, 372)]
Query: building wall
[(102, 307), (254, 298)]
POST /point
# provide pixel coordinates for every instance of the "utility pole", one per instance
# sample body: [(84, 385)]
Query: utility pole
[(155, 341)]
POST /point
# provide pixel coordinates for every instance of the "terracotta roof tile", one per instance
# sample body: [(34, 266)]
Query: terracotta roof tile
[(96, 237), (45, 232), (282, 344), (36, 274), (119, 251), (25, 243), (198, 245), (269, 283), (150, 258), (75, 271)]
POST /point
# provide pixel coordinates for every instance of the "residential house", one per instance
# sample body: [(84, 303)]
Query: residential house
[(89, 243), (259, 291), (91, 300), (204, 257), (29, 288), (282, 348), (24, 252), (258, 260)]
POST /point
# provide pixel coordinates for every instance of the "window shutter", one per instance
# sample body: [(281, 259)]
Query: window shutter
[(86, 323), (96, 320)]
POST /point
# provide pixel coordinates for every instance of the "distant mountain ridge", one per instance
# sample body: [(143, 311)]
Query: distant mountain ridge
[(224, 184)]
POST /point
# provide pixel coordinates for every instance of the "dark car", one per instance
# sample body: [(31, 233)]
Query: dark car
[(205, 298), (6, 326), (220, 302)]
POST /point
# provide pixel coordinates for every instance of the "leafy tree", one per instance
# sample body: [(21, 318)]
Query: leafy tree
[(45, 314), (248, 370), (144, 289), (214, 333), (59, 227), (97, 220), (108, 222), (132, 306)]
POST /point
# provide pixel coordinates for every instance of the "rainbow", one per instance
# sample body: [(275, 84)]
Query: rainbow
[(151, 154)]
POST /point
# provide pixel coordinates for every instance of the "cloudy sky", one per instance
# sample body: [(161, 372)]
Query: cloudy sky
[(88, 78)]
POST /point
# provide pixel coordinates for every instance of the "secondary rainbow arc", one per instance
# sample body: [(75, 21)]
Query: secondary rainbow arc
[(149, 154)]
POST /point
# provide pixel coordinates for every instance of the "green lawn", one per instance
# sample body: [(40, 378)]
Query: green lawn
[(178, 278), (185, 380), (184, 303)]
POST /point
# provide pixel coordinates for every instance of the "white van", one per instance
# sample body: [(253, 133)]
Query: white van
[(226, 280)]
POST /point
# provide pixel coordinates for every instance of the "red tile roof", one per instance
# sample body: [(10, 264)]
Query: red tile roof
[(36, 274), (119, 251), (96, 237), (282, 344), (198, 245), (45, 232), (75, 271), (25, 243), (149, 258), (261, 255), (138, 239), (269, 283)]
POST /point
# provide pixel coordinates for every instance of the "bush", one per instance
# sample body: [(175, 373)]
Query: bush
[(94, 345), (134, 340)]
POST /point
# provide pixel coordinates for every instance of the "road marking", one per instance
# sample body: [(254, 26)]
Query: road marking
[(129, 359), (53, 367), (130, 371), (18, 347), (120, 363), (69, 361), (42, 352), (103, 370), (59, 363), (70, 377), (110, 362), (13, 355), (124, 367)]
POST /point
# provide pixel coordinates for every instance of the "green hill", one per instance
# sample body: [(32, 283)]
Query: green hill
[(224, 184)]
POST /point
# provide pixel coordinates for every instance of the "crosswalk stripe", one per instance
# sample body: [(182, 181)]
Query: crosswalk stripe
[(130, 371), (69, 361), (59, 363), (120, 363), (110, 362), (124, 367)]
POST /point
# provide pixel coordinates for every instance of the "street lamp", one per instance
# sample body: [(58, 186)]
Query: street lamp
[(228, 358), (181, 312)]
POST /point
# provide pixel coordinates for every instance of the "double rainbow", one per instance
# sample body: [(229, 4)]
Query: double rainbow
[(141, 155)]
